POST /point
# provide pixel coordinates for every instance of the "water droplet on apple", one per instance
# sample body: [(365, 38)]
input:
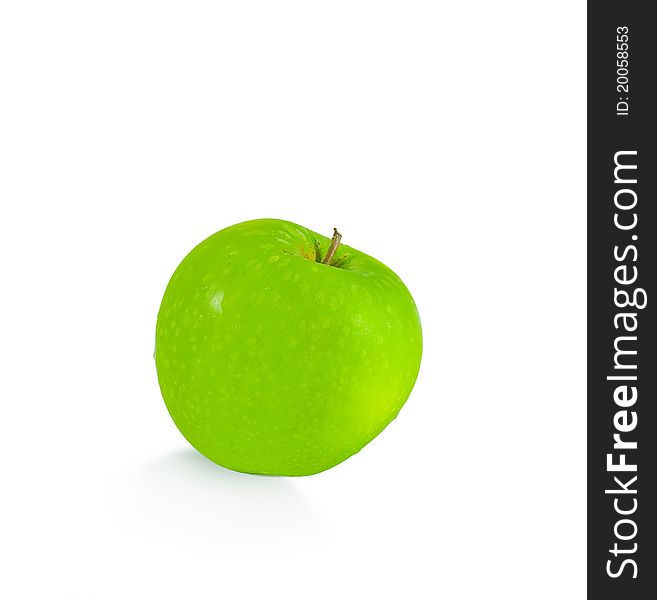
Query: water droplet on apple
[(216, 302)]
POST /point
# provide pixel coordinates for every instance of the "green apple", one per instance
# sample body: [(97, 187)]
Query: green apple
[(280, 351)]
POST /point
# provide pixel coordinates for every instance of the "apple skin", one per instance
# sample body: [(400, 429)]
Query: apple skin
[(271, 362)]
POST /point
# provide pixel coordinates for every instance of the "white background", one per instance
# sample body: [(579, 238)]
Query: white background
[(445, 139)]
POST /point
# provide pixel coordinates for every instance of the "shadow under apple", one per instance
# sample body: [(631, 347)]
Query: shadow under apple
[(185, 495)]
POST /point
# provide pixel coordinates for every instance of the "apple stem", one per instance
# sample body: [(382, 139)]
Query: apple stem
[(335, 242)]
